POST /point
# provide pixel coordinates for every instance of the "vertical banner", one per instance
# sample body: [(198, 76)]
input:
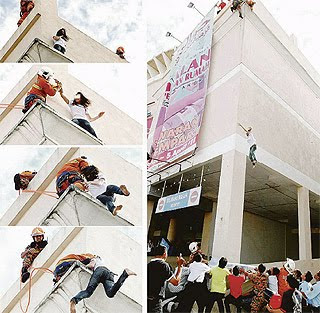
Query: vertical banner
[(178, 125)]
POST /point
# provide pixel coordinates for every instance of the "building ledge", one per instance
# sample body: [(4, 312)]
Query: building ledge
[(71, 283), (76, 207), (37, 53), (39, 127)]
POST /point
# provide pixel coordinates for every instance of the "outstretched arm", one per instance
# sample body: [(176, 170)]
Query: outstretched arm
[(92, 119), (242, 127), (65, 99)]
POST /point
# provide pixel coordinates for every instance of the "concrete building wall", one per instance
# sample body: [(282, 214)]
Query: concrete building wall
[(115, 128), (43, 23), (82, 240), (263, 240), (31, 208)]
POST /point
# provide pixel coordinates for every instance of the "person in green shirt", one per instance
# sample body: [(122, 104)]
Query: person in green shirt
[(218, 288)]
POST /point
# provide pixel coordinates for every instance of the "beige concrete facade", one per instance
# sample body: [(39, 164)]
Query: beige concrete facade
[(81, 240), (42, 23), (275, 90), (36, 208), (39, 126)]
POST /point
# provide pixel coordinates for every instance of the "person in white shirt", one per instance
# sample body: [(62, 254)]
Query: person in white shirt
[(252, 143), (79, 111), (101, 275), (60, 40), (196, 289), (99, 189), (273, 279)]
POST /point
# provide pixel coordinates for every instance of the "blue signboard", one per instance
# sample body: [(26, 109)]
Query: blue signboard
[(179, 200)]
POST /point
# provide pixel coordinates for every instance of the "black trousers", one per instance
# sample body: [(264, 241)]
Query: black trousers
[(232, 300), (215, 297), (154, 306), (194, 292)]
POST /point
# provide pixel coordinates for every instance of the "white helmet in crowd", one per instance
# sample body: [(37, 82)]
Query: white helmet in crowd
[(193, 247), (46, 72), (290, 266)]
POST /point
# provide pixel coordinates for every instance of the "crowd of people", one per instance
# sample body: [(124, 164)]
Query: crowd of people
[(275, 290)]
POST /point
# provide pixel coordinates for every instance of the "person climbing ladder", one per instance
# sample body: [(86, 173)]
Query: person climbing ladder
[(79, 111), (101, 275), (103, 192), (32, 251), (26, 6), (44, 86), (253, 145)]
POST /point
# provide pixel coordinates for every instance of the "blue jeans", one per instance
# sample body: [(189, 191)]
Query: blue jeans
[(101, 276), (107, 198), (85, 125)]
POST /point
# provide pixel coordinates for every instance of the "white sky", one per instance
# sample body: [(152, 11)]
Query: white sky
[(295, 16), (20, 158), (113, 23), (13, 241), (123, 84)]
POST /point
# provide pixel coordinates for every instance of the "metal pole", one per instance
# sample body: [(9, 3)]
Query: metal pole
[(199, 12), (201, 176), (164, 186), (180, 183)]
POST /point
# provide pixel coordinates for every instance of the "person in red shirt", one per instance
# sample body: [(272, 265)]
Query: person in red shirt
[(221, 6), (72, 174), (26, 6), (288, 268), (235, 282), (22, 180), (44, 86)]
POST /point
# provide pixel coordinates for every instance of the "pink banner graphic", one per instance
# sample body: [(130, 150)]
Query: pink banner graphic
[(178, 125)]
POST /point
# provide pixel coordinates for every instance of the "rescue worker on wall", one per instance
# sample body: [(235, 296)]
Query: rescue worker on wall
[(72, 174), (99, 189), (44, 86), (26, 6), (101, 275), (32, 251), (22, 180), (120, 52), (66, 262)]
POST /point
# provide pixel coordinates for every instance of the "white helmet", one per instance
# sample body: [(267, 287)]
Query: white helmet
[(193, 247), (46, 72), (290, 266)]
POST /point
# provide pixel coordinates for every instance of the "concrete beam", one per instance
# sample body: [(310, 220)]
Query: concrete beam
[(305, 248), (228, 229)]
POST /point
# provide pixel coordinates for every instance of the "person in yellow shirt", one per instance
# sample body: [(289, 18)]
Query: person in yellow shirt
[(218, 288)]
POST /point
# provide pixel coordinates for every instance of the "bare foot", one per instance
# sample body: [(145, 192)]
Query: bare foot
[(116, 209), (124, 189), (129, 272), (72, 307)]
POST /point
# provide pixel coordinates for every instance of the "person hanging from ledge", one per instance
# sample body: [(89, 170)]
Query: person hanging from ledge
[(99, 189), (64, 264), (44, 86), (101, 275), (253, 145), (120, 52), (60, 40), (26, 6), (79, 111), (237, 4), (32, 251), (72, 174), (22, 180)]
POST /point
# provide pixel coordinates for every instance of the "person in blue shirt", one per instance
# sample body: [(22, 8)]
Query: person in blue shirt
[(313, 295)]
